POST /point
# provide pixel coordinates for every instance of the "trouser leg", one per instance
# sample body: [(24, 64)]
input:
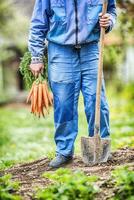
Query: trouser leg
[(64, 79), (89, 67)]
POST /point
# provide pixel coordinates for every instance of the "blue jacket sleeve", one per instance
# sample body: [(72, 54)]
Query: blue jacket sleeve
[(38, 28), (113, 15)]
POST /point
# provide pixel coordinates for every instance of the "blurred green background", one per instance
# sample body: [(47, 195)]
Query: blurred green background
[(23, 137)]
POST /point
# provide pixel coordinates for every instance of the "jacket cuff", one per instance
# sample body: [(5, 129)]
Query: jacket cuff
[(36, 60)]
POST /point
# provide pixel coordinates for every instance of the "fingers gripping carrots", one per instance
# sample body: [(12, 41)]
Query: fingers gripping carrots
[(40, 98)]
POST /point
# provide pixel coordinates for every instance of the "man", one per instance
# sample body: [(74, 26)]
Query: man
[(72, 28)]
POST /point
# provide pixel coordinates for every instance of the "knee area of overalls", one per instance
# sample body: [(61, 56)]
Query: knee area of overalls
[(63, 101)]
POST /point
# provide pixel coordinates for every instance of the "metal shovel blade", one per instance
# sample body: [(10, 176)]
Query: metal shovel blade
[(95, 149)]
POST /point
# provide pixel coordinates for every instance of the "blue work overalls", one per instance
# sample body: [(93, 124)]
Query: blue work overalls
[(70, 71), (68, 24)]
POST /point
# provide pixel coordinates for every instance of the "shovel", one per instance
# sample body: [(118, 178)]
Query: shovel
[(95, 149)]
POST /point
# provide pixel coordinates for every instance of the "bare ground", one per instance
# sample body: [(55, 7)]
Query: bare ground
[(29, 174)]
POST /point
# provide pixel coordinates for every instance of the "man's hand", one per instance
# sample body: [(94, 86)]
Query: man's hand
[(37, 68), (104, 20)]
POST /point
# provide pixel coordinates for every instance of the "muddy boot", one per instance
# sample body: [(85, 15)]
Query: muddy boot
[(59, 161)]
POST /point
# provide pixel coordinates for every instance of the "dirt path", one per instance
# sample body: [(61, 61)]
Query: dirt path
[(29, 174)]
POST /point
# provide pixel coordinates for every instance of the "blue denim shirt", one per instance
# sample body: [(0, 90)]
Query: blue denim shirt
[(66, 22)]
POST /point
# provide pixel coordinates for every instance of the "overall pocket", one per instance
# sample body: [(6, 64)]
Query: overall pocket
[(94, 7), (58, 10), (94, 2)]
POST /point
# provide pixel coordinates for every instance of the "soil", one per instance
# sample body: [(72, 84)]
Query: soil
[(29, 174)]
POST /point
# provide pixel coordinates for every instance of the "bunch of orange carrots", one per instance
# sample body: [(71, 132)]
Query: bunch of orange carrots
[(40, 97)]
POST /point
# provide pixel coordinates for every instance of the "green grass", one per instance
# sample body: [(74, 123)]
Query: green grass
[(122, 123), (25, 138)]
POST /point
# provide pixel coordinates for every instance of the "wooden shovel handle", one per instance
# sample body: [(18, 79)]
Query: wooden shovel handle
[(100, 74)]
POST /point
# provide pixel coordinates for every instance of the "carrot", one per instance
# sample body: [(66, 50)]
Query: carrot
[(30, 94), (45, 99), (42, 112), (40, 99), (32, 110), (39, 112), (40, 95), (35, 96), (36, 110), (48, 95)]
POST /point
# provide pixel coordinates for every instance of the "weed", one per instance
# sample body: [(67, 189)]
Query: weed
[(8, 188), (69, 185)]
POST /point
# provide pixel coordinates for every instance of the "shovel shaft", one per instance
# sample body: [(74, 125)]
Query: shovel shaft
[(100, 74)]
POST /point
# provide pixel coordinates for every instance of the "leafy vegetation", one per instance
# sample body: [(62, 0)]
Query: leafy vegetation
[(121, 116), (126, 18), (8, 188), (65, 184), (123, 183), (5, 16), (69, 185), (76, 185), (112, 57), (128, 92)]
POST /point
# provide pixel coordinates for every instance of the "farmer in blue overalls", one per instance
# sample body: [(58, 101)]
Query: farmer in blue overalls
[(72, 29)]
